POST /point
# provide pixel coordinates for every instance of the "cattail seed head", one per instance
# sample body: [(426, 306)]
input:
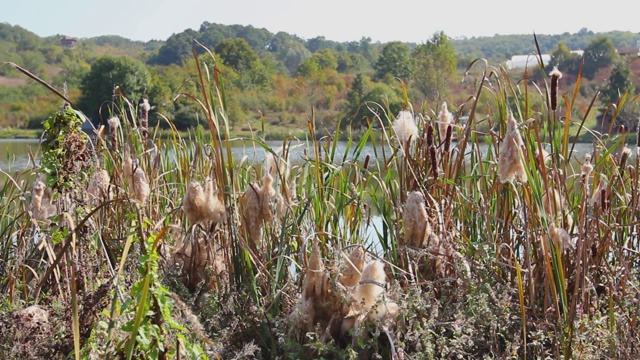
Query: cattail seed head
[(430, 136), (555, 76), (144, 117), (405, 127), (415, 220), (444, 119), (138, 183), (447, 139), (353, 268), (434, 161), (366, 161), (98, 188), (604, 202), (41, 206), (510, 166), (587, 168), (624, 156), (256, 207), (114, 124)]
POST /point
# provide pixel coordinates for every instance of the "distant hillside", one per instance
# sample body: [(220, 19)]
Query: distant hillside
[(275, 78)]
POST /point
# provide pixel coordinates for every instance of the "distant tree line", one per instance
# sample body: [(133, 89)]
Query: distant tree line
[(280, 76)]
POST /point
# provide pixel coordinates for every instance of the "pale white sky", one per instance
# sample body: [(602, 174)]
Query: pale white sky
[(346, 20)]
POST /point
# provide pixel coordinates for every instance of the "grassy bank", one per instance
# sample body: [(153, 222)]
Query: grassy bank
[(168, 247)]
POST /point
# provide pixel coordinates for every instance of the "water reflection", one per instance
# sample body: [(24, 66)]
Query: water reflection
[(14, 153)]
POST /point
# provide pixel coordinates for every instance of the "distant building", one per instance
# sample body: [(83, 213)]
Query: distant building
[(68, 41), (629, 51), (524, 61)]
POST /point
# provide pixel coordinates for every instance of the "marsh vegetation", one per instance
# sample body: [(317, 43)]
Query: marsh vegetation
[(505, 245)]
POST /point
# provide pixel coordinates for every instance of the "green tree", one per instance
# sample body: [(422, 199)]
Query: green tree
[(600, 53), (618, 84), (310, 69), (367, 100), (395, 61), (326, 58), (97, 86), (176, 48), (292, 54), (349, 63), (236, 53), (435, 67), (566, 61)]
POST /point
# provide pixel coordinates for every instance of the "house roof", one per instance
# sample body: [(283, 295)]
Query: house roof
[(631, 50)]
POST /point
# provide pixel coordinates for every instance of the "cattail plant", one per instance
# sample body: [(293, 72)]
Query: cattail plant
[(624, 156), (555, 77), (98, 188), (139, 185), (445, 117), (416, 222), (114, 124), (585, 171), (278, 168), (448, 138), (202, 262), (353, 268), (202, 204), (430, 141), (554, 208), (41, 206), (321, 302), (145, 107), (510, 165), (405, 128), (255, 209), (561, 238)]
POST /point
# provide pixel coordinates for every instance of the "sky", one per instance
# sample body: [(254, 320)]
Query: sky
[(347, 20)]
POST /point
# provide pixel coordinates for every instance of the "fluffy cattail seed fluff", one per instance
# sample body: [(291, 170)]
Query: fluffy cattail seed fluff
[(405, 127), (510, 164), (444, 119), (114, 124)]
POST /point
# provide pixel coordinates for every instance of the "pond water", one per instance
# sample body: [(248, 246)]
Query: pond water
[(14, 153)]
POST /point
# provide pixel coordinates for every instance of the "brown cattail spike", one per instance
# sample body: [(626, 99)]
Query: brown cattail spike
[(429, 135), (447, 139), (555, 76), (434, 161), (626, 152)]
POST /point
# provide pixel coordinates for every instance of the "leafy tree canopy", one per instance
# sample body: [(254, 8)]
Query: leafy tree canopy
[(395, 61), (131, 75)]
